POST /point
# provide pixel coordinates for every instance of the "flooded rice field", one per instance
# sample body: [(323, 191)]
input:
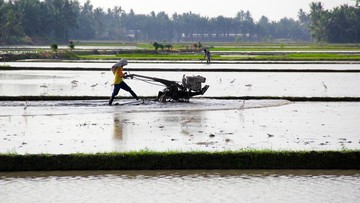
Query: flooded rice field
[(60, 127), (181, 186), (222, 84), (206, 123), (211, 123)]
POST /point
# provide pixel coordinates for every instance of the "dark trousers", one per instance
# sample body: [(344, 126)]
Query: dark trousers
[(123, 86)]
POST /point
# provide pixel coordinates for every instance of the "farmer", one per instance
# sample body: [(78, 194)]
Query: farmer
[(119, 83), (207, 55)]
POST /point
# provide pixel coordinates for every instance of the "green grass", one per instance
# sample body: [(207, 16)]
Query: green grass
[(199, 56), (103, 43), (310, 57), (279, 47), (186, 51), (216, 46), (148, 160), (227, 46), (146, 56), (162, 56), (324, 56), (175, 46)]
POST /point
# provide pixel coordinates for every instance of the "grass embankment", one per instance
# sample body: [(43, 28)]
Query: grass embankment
[(283, 47), (233, 46), (146, 56), (220, 52), (240, 52), (145, 160), (310, 57), (228, 57)]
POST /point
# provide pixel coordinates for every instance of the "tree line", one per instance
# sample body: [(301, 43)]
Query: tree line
[(340, 25), (35, 21)]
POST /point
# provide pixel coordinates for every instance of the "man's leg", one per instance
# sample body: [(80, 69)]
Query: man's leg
[(115, 92), (133, 94), (125, 87)]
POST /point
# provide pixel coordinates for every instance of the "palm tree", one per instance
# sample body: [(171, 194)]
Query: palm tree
[(317, 21), (62, 18)]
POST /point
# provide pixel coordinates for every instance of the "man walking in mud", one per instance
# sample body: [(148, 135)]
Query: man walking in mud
[(207, 55), (119, 83)]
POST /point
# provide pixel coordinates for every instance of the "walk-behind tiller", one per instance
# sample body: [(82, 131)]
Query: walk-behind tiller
[(174, 91)]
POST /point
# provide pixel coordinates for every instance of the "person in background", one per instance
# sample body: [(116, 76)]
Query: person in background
[(207, 55), (119, 83)]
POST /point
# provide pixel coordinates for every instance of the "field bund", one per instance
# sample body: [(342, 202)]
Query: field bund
[(146, 160)]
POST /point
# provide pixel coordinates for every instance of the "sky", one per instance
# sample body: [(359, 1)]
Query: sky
[(273, 9)]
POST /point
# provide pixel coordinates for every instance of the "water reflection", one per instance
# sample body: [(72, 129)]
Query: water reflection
[(182, 186), (190, 121), (118, 128)]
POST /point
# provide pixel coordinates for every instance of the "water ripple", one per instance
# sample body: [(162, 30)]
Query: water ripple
[(181, 186)]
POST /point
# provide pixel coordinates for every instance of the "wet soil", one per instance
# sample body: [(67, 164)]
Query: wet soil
[(202, 124)]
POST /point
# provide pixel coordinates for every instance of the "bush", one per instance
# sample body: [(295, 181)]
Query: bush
[(54, 47), (71, 45)]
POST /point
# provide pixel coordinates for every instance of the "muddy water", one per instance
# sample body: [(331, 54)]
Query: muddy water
[(90, 127), (98, 83), (83, 126), (181, 186), (80, 126)]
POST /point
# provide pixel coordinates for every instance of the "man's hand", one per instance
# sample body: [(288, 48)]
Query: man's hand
[(125, 75)]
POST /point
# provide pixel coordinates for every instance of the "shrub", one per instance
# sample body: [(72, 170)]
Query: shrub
[(71, 45), (54, 47)]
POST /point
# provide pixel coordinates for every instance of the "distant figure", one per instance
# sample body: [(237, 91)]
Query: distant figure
[(207, 55), (119, 83)]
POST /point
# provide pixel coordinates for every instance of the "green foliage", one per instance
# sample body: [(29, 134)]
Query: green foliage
[(54, 47), (156, 45), (59, 20), (340, 25), (71, 45), (37, 20)]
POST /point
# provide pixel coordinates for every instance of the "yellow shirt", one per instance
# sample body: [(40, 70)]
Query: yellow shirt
[(118, 78)]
